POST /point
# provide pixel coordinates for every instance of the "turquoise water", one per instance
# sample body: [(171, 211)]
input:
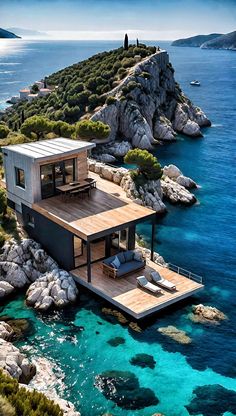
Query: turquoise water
[(200, 238)]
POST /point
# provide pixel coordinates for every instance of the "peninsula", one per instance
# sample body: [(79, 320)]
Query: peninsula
[(5, 34), (213, 41)]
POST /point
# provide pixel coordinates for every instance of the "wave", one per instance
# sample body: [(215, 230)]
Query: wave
[(12, 82), (7, 72), (217, 125), (10, 63)]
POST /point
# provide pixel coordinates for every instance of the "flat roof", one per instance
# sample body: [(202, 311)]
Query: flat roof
[(47, 149)]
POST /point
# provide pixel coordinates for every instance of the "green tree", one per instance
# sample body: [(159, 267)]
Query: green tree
[(4, 131), (126, 42), (148, 166), (36, 124), (88, 130), (34, 89)]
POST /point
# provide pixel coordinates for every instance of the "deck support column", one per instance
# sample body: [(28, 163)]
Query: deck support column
[(88, 262), (153, 237)]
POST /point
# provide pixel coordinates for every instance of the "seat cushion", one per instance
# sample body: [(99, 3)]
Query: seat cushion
[(129, 267), (138, 255), (129, 255)]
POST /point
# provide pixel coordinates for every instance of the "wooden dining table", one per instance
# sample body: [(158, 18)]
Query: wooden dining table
[(64, 189)]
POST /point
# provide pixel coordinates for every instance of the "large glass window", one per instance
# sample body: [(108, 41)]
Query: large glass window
[(56, 174), (20, 177)]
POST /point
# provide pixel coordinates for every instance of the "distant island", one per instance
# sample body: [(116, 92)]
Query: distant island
[(5, 34), (26, 32), (211, 41)]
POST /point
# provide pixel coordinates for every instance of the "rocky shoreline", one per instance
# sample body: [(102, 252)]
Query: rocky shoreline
[(173, 186)]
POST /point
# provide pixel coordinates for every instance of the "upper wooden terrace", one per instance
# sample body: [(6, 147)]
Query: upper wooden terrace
[(105, 211)]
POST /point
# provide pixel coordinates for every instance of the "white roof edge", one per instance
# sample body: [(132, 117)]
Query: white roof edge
[(81, 146)]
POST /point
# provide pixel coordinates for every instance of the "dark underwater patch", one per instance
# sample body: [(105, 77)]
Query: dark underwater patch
[(143, 361), (114, 342), (212, 400), (122, 387)]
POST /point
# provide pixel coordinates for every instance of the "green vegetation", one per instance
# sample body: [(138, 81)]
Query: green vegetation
[(88, 129), (80, 88), (17, 401), (148, 167), (8, 228), (4, 131)]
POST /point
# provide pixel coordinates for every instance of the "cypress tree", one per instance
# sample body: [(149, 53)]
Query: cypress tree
[(126, 42), (45, 83), (137, 42), (22, 116)]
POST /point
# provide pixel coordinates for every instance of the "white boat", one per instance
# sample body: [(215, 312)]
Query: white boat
[(195, 83)]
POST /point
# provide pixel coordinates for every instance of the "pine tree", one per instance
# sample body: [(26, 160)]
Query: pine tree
[(126, 42)]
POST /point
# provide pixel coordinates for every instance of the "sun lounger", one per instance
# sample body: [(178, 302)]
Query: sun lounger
[(160, 281), (145, 284)]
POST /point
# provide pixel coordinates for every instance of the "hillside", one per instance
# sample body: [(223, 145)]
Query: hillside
[(26, 32), (195, 41), (227, 41), (137, 96), (5, 34)]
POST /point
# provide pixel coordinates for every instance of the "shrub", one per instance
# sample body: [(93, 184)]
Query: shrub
[(128, 62), (24, 402), (145, 75), (4, 131), (132, 85), (111, 100), (36, 124), (88, 130), (148, 166), (6, 408), (3, 202)]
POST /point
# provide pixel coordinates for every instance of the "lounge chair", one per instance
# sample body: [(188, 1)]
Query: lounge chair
[(166, 284), (145, 284)]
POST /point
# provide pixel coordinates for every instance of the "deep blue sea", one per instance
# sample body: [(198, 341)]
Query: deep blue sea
[(201, 238)]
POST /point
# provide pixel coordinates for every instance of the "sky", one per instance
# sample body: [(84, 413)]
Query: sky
[(110, 19)]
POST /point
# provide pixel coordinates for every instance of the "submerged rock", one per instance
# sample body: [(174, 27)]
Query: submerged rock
[(205, 314), (114, 342), (122, 387), (19, 327), (212, 400), (143, 361), (176, 334), (118, 315)]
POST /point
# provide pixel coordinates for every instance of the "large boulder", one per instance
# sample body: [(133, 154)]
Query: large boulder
[(163, 130), (6, 331), (175, 193), (172, 171), (206, 314), (53, 289), (15, 363), (188, 183), (5, 289)]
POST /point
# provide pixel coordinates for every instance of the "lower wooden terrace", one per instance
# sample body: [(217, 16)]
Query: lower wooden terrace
[(124, 294)]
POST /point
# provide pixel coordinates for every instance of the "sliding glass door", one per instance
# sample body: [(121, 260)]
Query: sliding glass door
[(56, 174)]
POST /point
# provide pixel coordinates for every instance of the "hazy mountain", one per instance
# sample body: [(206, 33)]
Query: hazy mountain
[(196, 41), (5, 34), (26, 32), (227, 41)]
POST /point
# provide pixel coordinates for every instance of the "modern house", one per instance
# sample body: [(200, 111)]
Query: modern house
[(82, 220)]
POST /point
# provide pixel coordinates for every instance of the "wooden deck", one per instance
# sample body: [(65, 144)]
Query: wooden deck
[(104, 211), (125, 295)]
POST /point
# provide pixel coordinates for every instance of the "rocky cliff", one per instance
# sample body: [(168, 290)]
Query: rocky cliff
[(148, 106)]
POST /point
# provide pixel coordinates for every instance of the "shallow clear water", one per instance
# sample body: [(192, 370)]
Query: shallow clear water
[(200, 238)]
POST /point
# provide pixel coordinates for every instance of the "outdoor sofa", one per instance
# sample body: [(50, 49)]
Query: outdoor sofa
[(123, 263)]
